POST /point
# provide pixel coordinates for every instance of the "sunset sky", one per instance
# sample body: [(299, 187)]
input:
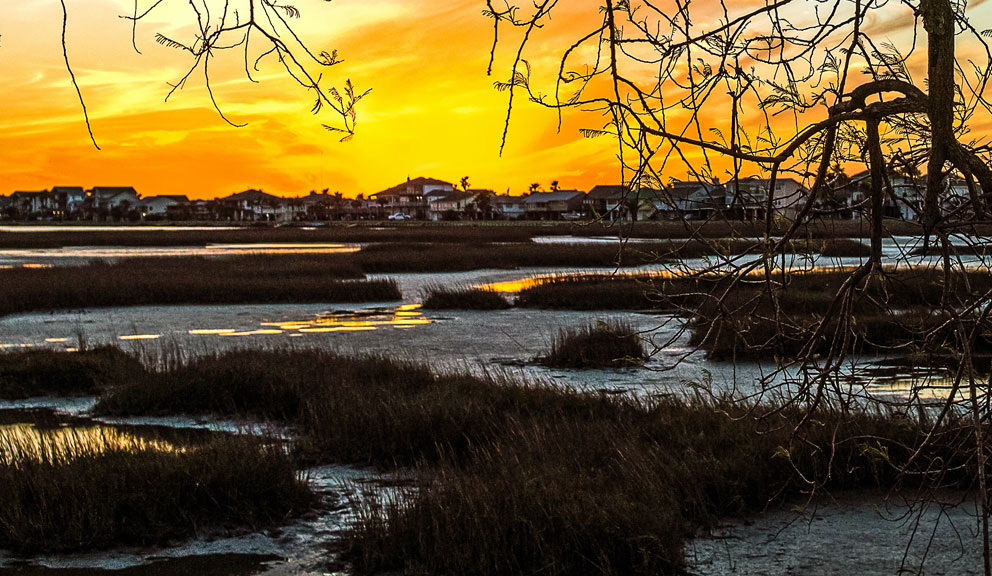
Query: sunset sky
[(432, 112)]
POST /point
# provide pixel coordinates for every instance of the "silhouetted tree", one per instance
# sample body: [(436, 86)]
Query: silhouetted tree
[(788, 89)]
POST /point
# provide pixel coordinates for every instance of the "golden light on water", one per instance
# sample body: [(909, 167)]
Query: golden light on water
[(140, 337), (405, 316)]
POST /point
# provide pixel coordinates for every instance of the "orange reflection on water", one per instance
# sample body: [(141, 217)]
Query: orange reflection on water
[(252, 333), (405, 316), (212, 332), (513, 286), (140, 337)]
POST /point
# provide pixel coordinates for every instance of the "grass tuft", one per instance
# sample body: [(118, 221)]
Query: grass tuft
[(68, 498), (605, 344), (26, 374), (438, 297)]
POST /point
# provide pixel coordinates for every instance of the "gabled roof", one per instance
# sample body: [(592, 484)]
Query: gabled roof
[(509, 199), (29, 193), (68, 190), (412, 186), (755, 181), (452, 196), (604, 192), (110, 191), (559, 196), (251, 196), (682, 190), (172, 197)]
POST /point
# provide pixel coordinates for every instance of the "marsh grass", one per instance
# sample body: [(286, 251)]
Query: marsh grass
[(68, 497), (593, 292), (615, 490), (440, 297), (463, 232), (24, 374), (162, 281), (603, 344), (890, 314), (519, 478)]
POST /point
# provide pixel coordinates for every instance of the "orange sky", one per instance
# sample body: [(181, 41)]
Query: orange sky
[(433, 111)]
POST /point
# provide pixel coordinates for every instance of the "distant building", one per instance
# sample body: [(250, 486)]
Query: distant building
[(410, 198), (25, 204), (113, 196), (748, 197), (602, 200), (556, 205), (70, 201), (160, 207), (448, 205), (256, 205), (509, 207), (692, 200)]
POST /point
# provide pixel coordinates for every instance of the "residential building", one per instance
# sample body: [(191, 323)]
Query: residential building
[(110, 197), (602, 201), (410, 197), (160, 207), (557, 205), (449, 205), (508, 207), (70, 201), (748, 197), (25, 204)]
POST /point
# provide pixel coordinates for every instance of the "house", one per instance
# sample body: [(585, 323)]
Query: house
[(555, 205), (111, 197), (70, 201), (251, 205), (323, 206), (160, 207), (410, 197), (449, 205), (851, 200), (509, 207), (599, 200), (691, 200), (32, 204), (748, 197)]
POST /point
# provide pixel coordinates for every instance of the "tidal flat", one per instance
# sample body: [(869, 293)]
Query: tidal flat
[(403, 420)]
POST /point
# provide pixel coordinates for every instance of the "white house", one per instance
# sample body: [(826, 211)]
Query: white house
[(158, 206)]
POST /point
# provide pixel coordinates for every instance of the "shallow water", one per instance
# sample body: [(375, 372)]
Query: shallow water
[(297, 548), (859, 533), (504, 340)]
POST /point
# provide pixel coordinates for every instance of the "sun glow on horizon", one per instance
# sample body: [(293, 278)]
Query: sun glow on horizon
[(432, 110)]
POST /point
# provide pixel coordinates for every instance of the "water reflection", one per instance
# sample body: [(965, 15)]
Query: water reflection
[(909, 382), (366, 320)]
